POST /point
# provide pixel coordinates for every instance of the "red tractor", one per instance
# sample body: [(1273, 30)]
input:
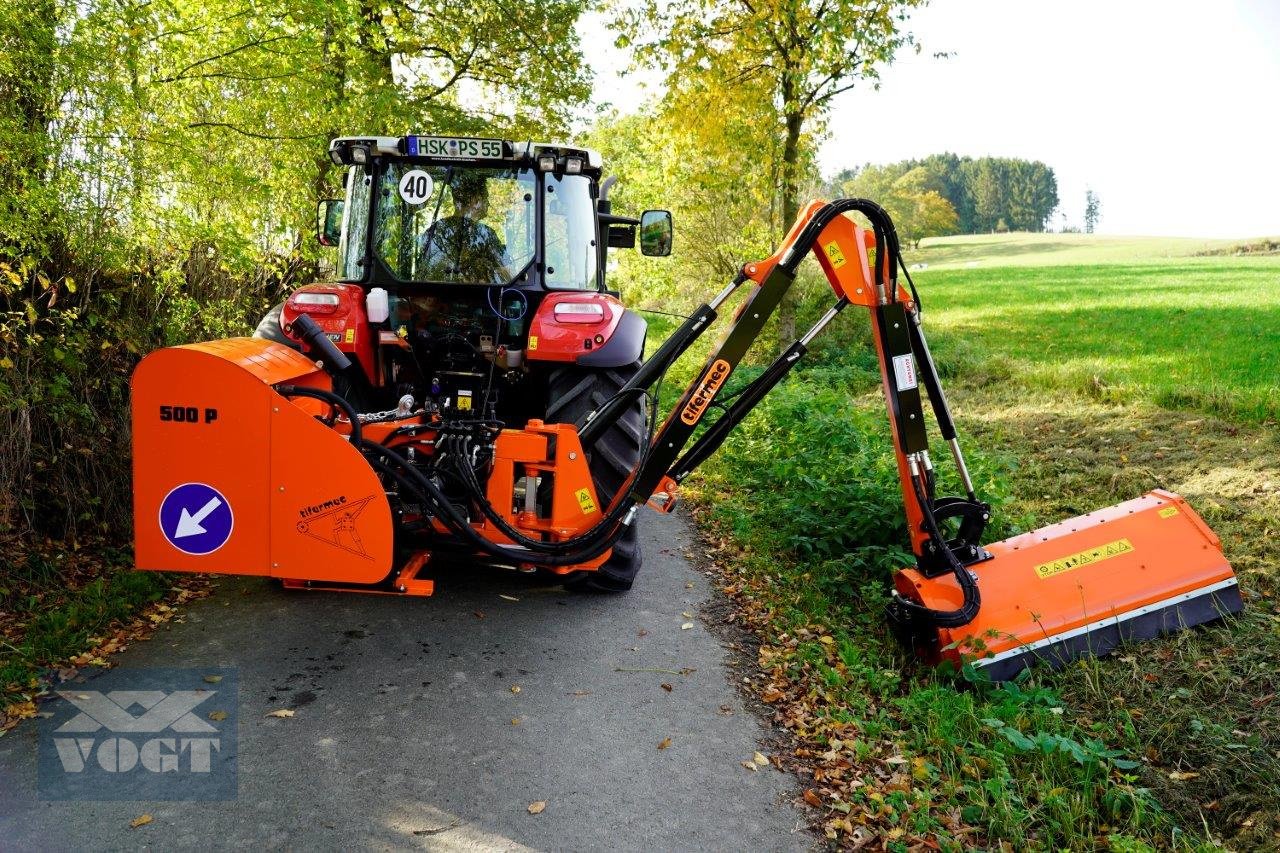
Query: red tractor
[(471, 284)]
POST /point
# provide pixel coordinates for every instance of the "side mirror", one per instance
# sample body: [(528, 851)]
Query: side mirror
[(329, 221), (656, 230)]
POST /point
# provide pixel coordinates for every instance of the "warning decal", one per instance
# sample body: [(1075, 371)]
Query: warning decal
[(834, 255), (1168, 512), (1084, 558), (337, 527), (904, 372), (585, 502)]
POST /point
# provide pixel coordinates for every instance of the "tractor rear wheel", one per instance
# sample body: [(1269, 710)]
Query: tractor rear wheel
[(269, 329), (574, 393)]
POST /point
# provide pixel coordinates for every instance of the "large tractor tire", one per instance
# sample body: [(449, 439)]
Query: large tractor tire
[(574, 393), (269, 329)]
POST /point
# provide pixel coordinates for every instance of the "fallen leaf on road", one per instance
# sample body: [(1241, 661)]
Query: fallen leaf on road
[(140, 820), (212, 679), (811, 797), (686, 626), (1182, 776), (664, 743), (515, 721), (642, 633), (759, 758), (750, 765), (771, 696), (515, 688), (508, 597), (536, 808), (689, 585), (217, 716), (726, 709), (687, 615), (579, 693), (283, 712), (479, 614), (667, 687)]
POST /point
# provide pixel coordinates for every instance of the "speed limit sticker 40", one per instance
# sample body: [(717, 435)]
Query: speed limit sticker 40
[(416, 186)]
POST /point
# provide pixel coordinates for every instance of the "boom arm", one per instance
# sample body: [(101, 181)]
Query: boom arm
[(842, 249)]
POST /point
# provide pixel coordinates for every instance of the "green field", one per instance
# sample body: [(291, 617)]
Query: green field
[(1077, 385), (1199, 333), (1037, 250)]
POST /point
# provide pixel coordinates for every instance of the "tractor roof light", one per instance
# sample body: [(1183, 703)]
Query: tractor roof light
[(573, 166), (546, 162), (579, 312), (359, 155), (335, 154)]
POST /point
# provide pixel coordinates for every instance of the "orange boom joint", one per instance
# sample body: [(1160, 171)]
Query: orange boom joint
[(471, 390)]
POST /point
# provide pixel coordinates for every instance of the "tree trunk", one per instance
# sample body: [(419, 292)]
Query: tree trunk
[(790, 209)]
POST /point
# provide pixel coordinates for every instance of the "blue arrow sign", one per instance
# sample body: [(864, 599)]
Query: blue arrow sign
[(196, 519)]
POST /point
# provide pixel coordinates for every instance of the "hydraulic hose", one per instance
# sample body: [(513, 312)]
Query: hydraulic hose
[(357, 437), (413, 480), (968, 586), (578, 549), (610, 524)]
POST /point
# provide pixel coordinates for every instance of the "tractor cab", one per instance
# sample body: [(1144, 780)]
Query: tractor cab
[(428, 210), (468, 272)]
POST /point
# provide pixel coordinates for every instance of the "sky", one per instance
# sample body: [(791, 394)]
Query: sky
[(1169, 111)]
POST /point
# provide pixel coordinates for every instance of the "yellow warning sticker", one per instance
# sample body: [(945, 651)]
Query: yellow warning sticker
[(533, 342), (350, 336), (1168, 512), (1084, 558), (464, 401), (585, 501), (834, 255)]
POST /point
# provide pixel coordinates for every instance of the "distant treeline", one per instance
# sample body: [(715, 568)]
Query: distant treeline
[(987, 193)]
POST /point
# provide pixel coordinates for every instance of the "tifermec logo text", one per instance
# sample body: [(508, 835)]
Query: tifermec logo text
[(142, 734)]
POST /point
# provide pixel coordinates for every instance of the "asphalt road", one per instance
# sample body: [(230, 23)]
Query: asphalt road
[(404, 731)]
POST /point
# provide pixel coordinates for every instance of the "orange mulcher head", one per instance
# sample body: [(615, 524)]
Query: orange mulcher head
[(1133, 571), (1142, 568)]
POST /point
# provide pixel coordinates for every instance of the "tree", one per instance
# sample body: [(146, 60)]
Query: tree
[(1092, 209), (908, 194), (159, 165), (797, 54)]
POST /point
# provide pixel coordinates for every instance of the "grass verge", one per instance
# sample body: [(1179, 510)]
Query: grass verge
[(1166, 744), (62, 609)]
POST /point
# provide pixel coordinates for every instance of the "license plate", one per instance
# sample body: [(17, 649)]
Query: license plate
[(454, 148)]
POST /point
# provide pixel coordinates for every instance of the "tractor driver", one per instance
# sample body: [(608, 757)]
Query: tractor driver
[(462, 247)]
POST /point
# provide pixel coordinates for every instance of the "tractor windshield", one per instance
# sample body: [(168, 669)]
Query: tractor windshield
[(454, 224)]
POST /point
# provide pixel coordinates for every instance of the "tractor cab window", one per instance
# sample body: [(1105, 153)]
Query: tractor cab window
[(572, 262), (454, 224), (355, 224)]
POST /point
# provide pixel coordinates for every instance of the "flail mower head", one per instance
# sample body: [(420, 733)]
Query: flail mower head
[(247, 461)]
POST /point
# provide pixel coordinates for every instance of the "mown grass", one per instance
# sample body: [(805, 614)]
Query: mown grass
[(1201, 334), (1038, 250), (1083, 385)]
